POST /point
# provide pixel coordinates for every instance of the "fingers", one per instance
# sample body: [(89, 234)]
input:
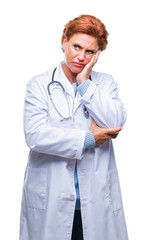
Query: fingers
[(113, 133), (93, 122), (113, 136), (93, 125), (84, 74), (103, 135), (95, 58), (113, 130)]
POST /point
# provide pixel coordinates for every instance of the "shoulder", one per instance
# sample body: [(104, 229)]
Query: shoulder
[(41, 79), (105, 82), (37, 85), (101, 77)]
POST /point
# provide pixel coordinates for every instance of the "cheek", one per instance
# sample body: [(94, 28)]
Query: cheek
[(88, 59), (70, 53)]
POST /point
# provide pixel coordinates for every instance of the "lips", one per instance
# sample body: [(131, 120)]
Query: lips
[(78, 64)]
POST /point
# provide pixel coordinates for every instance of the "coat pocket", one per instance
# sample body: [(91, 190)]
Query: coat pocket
[(35, 188), (113, 190)]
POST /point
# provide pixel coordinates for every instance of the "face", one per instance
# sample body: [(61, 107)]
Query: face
[(78, 51)]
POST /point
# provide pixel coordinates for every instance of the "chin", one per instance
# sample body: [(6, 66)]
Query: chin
[(76, 70)]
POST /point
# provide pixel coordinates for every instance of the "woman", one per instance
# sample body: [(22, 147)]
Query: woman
[(71, 114)]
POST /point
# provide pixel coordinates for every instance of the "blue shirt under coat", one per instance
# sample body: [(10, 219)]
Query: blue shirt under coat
[(89, 139)]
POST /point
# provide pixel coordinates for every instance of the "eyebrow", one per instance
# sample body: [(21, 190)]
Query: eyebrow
[(75, 43)]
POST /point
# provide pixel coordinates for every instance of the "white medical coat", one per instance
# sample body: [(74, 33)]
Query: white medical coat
[(49, 196)]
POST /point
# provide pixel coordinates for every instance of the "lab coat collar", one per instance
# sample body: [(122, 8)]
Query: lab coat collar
[(61, 77)]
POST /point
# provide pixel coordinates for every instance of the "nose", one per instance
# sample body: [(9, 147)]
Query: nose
[(81, 56)]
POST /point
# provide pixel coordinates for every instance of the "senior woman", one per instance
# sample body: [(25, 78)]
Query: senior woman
[(71, 114)]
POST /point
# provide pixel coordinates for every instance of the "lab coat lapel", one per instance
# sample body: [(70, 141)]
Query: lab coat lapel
[(77, 101), (60, 77)]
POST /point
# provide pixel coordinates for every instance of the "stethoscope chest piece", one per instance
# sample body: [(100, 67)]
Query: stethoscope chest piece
[(86, 113)]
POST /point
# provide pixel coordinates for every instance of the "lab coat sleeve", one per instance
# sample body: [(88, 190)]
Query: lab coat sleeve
[(40, 135), (102, 101)]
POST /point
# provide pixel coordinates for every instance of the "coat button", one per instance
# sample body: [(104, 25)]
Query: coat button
[(72, 197)]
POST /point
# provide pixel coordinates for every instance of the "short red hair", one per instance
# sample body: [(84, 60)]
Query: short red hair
[(89, 25)]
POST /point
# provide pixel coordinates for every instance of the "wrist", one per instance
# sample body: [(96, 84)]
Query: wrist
[(82, 88), (80, 81), (81, 78), (89, 140)]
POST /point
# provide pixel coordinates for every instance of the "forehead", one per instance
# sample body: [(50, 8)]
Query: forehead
[(84, 40)]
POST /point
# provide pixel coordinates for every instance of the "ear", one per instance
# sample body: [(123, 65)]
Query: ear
[(64, 44)]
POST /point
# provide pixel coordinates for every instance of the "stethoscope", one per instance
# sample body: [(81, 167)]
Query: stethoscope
[(86, 113)]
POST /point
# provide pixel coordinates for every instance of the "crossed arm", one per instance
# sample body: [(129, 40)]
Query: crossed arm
[(102, 135)]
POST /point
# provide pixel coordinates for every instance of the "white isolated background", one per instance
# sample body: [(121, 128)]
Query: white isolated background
[(30, 44)]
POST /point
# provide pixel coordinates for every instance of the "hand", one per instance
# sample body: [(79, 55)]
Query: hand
[(84, 75), (102, 135)]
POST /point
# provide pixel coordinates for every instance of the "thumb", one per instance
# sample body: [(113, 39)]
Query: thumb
[(93, 124)]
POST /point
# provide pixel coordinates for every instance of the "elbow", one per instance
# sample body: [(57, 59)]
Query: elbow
[(119, 115), (31, 140), (118, 118), (122, 118)]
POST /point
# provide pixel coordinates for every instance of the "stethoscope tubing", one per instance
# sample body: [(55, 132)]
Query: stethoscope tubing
[(86, 113), (48, 87)]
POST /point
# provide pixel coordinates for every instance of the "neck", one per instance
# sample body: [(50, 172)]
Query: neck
[(69, 74)]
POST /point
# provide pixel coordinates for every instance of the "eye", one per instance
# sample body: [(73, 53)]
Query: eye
[(90, 51), (77, 47)]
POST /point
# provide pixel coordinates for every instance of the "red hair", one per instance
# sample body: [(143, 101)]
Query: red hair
[(87, 24)]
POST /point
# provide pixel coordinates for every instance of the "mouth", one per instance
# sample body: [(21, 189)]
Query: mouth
[(78, 64)]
